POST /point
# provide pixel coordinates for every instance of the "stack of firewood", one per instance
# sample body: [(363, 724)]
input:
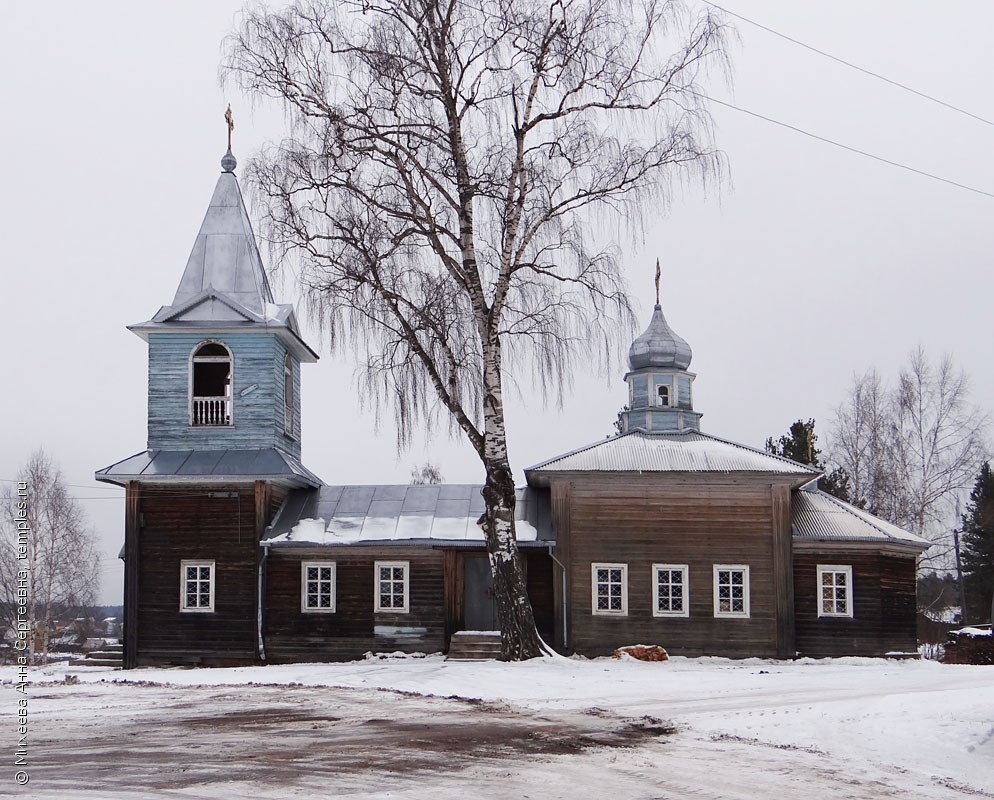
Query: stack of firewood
[(643, 652)]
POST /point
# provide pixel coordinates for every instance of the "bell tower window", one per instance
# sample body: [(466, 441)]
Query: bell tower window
[(210, 385), (288, 395), (662, 395)]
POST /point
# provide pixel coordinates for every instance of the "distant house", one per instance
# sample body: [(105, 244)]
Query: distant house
[(236, 553)]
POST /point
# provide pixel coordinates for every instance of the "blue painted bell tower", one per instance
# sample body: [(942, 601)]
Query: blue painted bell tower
[(660, 387), (224, 358), (223, 449)]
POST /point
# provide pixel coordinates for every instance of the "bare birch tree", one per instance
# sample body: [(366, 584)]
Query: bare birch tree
[(914, 449), (40, 522), (445, 164)]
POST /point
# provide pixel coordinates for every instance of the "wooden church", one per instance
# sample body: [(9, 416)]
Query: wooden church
[(236, 553)]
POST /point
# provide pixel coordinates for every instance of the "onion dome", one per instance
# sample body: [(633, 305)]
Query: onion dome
[(659, 346)]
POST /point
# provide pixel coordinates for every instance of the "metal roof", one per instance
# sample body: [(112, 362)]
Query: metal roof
[(817, 516), (225, 255), (216, 465), (690, 451), (224, 285), (659, 346), (364, 514)]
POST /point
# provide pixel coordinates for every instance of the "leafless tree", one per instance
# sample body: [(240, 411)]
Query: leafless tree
[(859, 442), (425, 475), (913, 450), (58, 549), (445, 164)]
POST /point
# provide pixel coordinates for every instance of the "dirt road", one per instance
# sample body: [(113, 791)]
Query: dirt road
[(113, 741)]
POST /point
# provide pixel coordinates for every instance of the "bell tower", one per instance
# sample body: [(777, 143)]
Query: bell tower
[(223, 450), (660, 387), (224, 358)]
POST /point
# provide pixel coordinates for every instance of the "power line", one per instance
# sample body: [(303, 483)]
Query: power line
[(840, 145), (849, 63), (794, 128)]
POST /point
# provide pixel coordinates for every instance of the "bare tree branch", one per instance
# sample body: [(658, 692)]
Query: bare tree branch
[(446, 165)]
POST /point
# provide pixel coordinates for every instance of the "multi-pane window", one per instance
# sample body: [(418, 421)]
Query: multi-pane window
[(610, 588), (670, 597), (731, 590), (834, 591), (391, 586), (196, 585), (317, 586)]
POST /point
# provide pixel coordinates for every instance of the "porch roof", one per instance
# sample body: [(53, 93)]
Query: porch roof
[(401, 513)]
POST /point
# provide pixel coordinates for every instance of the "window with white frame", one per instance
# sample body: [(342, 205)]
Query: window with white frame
[(731, 590), (610, 588), (196, 586), (662, 395), (317, 586), (392, 586), (834, 590), (670, 594)]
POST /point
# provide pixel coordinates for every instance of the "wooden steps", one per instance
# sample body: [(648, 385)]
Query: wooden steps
[(111, 656), (474, 646)]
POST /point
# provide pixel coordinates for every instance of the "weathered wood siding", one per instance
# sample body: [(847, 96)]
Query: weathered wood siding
[(353, 629), (540, 582), (180, 523), (700, 522), (883, 604), (257, 418)]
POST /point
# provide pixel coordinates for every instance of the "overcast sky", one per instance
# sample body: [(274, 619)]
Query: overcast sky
[(810, 265)]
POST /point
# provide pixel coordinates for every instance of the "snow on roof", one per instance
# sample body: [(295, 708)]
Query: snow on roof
[(817, 516), (365, 514), (691, 451)]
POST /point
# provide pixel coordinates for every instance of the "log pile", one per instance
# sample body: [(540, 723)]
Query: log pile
[(643, 652), (969, 646)]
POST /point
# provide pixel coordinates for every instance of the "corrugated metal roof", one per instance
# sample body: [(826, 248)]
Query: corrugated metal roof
[(364, 514), (690, 451), (817, 516), (214, 464)]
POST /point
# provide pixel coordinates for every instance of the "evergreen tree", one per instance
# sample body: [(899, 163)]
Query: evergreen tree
[(977, 548), (799, 445)]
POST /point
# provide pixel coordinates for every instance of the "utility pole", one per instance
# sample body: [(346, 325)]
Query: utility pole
[(959, 579)]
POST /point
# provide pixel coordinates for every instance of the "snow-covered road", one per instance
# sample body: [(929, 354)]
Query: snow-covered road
[(411, 728)]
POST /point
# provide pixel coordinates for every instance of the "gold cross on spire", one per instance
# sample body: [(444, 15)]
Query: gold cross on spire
[(231, 124), (658, 273)]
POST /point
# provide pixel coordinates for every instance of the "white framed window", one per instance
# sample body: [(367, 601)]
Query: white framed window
[(317, 587), (663, 395), (731, 590), (609, 585), (671, 595), (834, 590), (196, 586), (391, 588)]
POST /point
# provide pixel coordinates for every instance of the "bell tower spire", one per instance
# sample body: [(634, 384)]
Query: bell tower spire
[(224, 356), (660, 396)]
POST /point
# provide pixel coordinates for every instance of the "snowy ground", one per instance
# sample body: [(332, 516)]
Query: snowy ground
[(558, 728)]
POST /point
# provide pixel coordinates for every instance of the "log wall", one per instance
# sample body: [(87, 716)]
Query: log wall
[(353, 629), (642, 520), (178, 523), (883, 598)]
